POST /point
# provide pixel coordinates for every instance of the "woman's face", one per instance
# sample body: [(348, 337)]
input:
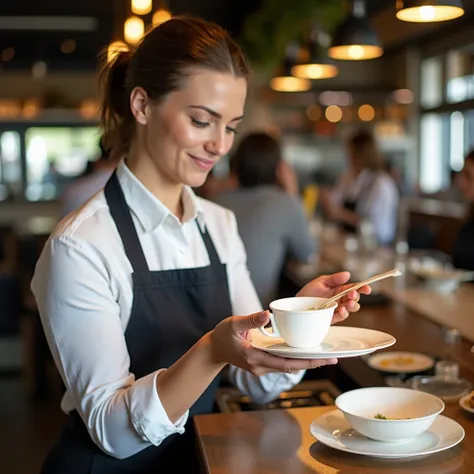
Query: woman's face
[(466, 180), (187, 133)]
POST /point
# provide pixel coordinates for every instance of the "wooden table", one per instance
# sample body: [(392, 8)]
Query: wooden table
[(279, 441)]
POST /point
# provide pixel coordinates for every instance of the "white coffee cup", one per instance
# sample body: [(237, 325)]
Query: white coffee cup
[(297, 324)]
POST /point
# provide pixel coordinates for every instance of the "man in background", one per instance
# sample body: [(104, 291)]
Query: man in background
[(85, 187)]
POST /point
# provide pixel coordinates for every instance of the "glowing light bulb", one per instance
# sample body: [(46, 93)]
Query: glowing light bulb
[(427, 13)]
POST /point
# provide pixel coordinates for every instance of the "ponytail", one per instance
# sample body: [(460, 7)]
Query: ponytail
[(116, 118)]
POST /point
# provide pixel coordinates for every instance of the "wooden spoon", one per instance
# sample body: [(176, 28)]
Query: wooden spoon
[(392, 273)]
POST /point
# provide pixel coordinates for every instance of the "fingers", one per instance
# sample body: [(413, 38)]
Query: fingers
[(336, 279), (255, 320), (261, 362)]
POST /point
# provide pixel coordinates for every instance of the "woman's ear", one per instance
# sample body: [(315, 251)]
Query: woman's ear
[(139, 102)]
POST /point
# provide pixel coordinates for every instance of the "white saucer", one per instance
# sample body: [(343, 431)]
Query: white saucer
[(340, 342), (334, 431), (463, 403), (401, 362)]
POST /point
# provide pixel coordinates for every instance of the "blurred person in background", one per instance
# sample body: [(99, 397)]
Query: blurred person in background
[(81, 190), (463, 252), (270, 216), (454, 192), (365, 192), (398, 175)]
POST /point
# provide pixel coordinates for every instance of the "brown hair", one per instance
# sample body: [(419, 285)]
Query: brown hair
[(160, 64), (364, 146), (256, 160)]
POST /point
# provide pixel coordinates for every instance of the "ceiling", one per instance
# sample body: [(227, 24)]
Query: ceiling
[(102, 20)]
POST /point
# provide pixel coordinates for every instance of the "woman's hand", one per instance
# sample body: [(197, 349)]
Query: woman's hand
[(329, 285), (231, 344)]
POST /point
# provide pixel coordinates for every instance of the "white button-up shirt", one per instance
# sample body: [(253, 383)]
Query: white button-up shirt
[(83, 288), (377, 200)]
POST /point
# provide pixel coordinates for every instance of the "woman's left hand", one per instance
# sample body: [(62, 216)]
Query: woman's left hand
[(329, 285)]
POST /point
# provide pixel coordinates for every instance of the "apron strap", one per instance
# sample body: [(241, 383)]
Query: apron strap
[(123, 220), (210, 247)]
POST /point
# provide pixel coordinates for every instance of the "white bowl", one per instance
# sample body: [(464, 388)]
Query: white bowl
[(440, 278), (413, 412)]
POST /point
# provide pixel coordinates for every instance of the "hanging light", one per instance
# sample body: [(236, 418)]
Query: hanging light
[(428, 11), (115, 48), (333, 114), (141, 7), (133, 29), (355, 40), (284, 81), (366, 113), (312, 64), (161, 16)]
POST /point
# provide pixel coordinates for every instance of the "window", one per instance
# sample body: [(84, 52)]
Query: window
[(10, 165), (55, 155), (431, 82), (469, 142), (456, 141), (459, 75), (431, 163)]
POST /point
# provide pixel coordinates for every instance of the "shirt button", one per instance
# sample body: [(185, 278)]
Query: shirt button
[(182, 250)]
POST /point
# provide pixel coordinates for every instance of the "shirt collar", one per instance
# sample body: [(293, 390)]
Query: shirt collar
[(149, 210)]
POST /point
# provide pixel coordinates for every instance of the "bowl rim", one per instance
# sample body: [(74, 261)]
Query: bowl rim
[(425, 394)]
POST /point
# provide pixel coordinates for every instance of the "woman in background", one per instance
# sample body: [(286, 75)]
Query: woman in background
[(463, 252), (366, 192), (270, 217)]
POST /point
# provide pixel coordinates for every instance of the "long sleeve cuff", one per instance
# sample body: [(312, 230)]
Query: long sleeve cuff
[(149, 418), (265, 388)]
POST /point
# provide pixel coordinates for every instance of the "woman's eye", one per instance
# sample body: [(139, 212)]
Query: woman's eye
[(198, 123), (232, 130)]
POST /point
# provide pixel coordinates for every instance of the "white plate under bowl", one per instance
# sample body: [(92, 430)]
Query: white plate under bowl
[(340, 342), (400, 362), (333, 430), (463, 403)]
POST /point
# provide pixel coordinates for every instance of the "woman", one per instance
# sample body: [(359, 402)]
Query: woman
[(463, 252), (135, 289), (270, 218), (367, 192)]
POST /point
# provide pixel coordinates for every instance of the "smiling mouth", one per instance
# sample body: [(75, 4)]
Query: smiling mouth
[(203, 162)]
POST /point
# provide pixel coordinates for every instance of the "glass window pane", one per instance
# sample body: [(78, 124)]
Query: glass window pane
[(431, 82), (10, 165), (55, 155), (460, 80), (456, 141), (431, 165), (469, 141)]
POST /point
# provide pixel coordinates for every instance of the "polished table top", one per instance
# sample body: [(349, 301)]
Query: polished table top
[(279, 441)]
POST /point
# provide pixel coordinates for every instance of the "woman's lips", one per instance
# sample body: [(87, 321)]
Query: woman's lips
[(203, 163)]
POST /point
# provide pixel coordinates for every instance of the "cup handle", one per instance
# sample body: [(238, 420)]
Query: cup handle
[(275, 334)]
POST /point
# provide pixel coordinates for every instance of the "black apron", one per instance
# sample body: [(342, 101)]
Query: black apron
[(172, 310)]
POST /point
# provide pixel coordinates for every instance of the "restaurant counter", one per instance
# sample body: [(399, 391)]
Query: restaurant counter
[(449, 309)]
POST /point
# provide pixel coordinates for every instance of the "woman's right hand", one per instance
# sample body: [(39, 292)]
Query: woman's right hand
[(231, 344)]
